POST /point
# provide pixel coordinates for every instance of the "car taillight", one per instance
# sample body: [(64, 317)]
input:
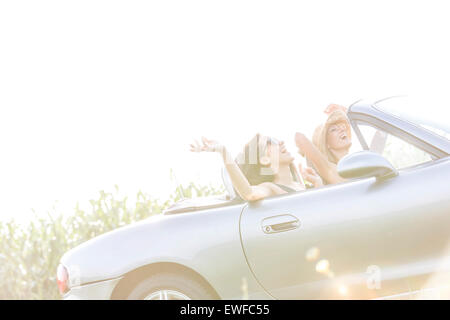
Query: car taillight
[(62, 278)]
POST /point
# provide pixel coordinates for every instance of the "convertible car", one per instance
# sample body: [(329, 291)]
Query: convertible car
[(383, 233)]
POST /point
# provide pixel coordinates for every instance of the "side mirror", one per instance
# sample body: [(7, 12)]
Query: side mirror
[(365, 164)]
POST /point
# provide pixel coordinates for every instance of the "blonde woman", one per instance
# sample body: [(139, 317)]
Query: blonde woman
[(264, 168), (331, 142)]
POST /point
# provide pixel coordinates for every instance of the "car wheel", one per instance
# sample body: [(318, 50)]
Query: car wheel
[(170, 287)]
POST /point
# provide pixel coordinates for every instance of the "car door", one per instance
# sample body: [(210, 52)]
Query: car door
[(315, 244), (358, 239), (428, 218)]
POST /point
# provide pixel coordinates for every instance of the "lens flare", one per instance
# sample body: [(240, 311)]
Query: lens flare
[(323, 266), (343, 290), (312, 254)]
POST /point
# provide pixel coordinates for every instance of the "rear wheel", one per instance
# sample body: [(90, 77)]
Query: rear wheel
[(170, 286)]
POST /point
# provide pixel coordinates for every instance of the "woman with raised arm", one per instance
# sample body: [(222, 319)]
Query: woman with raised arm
[(331, 142), (265, 168)]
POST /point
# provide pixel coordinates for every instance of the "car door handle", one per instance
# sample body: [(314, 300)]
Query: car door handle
[(280, 223)]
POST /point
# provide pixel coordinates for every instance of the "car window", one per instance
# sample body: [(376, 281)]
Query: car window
[(400, 153), (419, 112)]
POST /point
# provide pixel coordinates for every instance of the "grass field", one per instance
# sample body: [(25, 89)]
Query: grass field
[(30, 252)]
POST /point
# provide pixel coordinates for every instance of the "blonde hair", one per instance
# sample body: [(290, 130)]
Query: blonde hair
[(320, 133)]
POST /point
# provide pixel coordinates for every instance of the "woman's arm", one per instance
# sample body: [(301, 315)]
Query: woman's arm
[(240, 182), (378, 142), (311, 175), (326, 169)]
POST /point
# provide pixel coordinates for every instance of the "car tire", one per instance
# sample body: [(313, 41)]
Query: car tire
[(170, 286)]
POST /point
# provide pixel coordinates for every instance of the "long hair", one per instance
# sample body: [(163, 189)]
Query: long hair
[(320, 134), (250, 164)]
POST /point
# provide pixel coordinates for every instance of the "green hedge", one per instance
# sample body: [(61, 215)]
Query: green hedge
[(30, 252)]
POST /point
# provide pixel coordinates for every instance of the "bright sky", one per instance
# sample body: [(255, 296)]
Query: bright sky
[(97, 93)]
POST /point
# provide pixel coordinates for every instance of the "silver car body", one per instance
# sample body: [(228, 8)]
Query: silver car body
[(322, 243)]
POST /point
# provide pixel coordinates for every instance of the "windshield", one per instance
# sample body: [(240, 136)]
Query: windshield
[(429, 115)]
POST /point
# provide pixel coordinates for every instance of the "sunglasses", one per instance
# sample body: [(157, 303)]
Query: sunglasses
[(269, 141)]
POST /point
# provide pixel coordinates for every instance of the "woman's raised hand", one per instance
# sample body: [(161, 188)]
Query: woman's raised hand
[(206, 146), (333, 107), (310, 175), (300, 140)]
